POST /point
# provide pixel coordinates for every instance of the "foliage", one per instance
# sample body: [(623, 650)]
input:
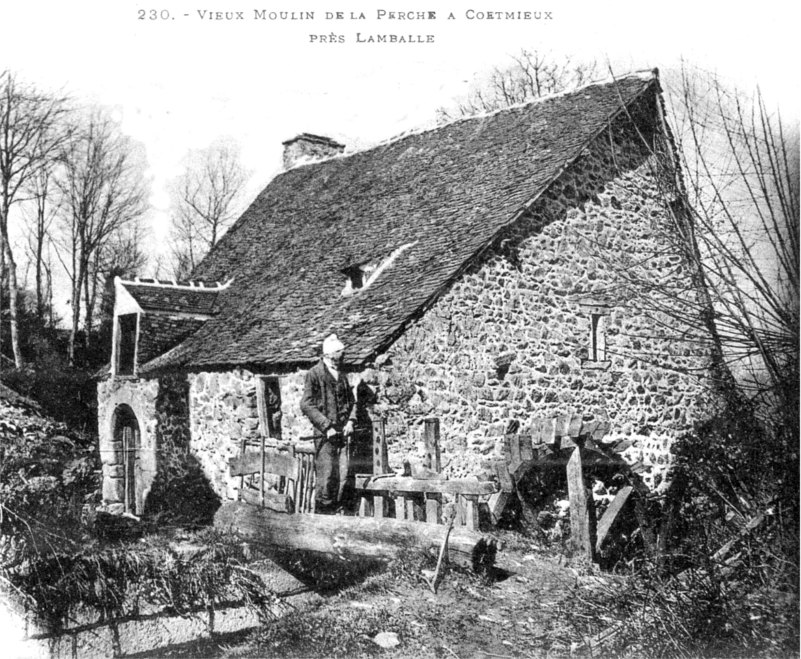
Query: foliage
[(67, 395), (119, 579), (47, 473)]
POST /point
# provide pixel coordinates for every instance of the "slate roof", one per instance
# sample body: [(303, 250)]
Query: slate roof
[(166, 297), (444, 193)]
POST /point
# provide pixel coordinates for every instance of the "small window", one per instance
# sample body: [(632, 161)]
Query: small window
[(598, 338), (126, 346), (269, 404), (598, 313), (355, 275)]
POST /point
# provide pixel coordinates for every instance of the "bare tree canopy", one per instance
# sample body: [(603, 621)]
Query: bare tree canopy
[(104, 194), (206, 200), (532, 74), (740, 162), (31, 133)]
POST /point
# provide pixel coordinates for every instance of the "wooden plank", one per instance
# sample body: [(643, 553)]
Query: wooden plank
[(433, 509), (439, 485), (587, 429), (580, 507), (535, 429), (574, 427), (497, 502), (505, 480), (352, 537), (365, 507), (280, 463), (609, 517), (458, 512), (380, 457), (526, 451), (568, 443), (400, 508), (549, 431), (431, 439), (514, 447), (379, 506), (470, 512)]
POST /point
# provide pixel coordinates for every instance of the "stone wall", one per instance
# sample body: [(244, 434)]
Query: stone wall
[(509, 341), (223, 412)]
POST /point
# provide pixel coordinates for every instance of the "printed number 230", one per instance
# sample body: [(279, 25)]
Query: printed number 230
[(153, 14)]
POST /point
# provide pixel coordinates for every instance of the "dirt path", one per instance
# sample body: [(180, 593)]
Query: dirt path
[(515, 615)]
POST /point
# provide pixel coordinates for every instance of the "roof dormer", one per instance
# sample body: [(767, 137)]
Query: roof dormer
[(151, 316)]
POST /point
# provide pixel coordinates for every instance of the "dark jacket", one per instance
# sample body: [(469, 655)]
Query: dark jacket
[(327, 402)]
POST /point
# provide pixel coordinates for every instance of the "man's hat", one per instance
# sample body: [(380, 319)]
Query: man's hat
[(332, 344)]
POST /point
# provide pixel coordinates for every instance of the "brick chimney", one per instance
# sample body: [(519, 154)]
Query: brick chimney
[(306, 148)]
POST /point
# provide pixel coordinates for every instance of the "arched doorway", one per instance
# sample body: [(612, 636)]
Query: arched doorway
[(127, 442)]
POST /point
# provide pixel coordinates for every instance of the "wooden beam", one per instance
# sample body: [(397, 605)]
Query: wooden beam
[(433, 509), (431, 438), (380, 457), (470, 502), (574, 427), (497, 502), (514, 450), (438, 485), (609, 517), (352, 537), (582, 512), (526, 450), (275, 462)]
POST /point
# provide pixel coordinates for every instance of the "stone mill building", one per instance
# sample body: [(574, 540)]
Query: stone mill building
[(486, 272)]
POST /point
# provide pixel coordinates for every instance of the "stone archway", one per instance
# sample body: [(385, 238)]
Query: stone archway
[(127, 445)]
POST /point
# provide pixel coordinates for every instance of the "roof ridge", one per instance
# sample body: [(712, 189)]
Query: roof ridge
[(192, 285), (644, 74)]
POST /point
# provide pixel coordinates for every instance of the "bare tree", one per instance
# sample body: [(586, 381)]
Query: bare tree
[(741, 165), (207, 198), (103, 193), (39, 217), (31, 132), (531, 75)]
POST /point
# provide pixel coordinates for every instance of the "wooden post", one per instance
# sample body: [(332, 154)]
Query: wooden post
[(470, 511), (400, 507), (581, 507), (263, 470), (432, 459), (611, 514), (433, 509), (380, 463)]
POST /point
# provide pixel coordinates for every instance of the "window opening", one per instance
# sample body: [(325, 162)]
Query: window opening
[(126, 347), (598, 338), (269, 404)]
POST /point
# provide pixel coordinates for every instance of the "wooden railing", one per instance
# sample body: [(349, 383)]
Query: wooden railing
[(283, 480), (417, 495)]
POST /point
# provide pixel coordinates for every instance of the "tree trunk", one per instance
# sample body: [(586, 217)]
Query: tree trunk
[(353, 537), (12, 305)]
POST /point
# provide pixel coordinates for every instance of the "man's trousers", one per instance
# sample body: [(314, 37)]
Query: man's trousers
[(331, 473)]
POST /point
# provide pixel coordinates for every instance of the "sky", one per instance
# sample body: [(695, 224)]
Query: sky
[(178, 80)]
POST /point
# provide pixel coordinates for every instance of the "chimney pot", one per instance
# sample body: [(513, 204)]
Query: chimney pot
[(306, 148)]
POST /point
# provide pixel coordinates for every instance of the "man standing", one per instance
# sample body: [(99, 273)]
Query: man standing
[(329, 404)]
